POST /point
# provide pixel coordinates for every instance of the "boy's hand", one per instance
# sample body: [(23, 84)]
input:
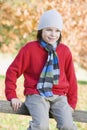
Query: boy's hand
[(16, 103)]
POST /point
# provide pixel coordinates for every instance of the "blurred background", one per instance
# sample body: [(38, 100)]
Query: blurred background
[(18, 25)]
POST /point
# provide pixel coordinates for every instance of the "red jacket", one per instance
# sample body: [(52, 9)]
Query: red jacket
[(30, 61)]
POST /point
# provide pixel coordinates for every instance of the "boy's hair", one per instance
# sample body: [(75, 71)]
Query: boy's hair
[(39, 36)]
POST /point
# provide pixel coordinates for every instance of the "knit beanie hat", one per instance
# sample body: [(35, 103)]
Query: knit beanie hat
[(50, 18)]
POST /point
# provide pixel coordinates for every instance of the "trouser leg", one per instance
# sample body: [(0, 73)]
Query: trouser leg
[(62, 114), (39, 110)]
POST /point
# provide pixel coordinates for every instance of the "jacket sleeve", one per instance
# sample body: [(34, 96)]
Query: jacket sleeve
[(71, 77), (14, 71)]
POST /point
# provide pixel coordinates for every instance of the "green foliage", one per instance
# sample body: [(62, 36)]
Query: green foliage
[(82, 82), (2, 77)]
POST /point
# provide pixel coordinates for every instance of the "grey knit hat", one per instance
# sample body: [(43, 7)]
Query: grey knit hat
[(50, 18)]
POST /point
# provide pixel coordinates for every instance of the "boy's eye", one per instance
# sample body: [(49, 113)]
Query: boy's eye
[(52, 30), (48, 30), (57, 30)]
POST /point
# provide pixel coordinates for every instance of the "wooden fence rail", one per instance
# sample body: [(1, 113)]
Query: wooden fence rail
[(5, 107)]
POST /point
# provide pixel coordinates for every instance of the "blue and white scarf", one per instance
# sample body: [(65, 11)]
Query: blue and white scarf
[(50, 73)]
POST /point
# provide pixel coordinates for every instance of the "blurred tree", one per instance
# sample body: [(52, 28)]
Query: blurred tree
[(19, 19)]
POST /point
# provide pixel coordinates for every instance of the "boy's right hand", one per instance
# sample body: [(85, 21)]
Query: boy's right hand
[(16, 103)]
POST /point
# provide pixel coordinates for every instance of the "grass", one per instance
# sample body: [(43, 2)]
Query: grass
[(15, 122), (20, 122), (82, 82)]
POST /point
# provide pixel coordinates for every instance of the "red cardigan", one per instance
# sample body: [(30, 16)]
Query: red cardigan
[(30, 61)]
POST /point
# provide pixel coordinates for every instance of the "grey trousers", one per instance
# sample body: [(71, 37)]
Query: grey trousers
[(39, 107)]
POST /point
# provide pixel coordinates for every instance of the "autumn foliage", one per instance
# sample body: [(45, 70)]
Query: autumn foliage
[(18, 24)]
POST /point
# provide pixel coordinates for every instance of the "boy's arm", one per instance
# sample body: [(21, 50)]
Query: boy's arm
[(71, 77), (14, 71)]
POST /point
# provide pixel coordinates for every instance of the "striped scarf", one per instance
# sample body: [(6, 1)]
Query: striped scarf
[(50, 72)]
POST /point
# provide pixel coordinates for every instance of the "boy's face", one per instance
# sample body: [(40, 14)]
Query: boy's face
[(50, 35)]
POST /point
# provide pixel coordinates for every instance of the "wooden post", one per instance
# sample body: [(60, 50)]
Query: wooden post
[(5, 107)]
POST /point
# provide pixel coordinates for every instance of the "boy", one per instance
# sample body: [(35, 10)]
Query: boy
[(50, 80)]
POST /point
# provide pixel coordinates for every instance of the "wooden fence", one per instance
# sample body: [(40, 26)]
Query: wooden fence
[(5, 107)]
